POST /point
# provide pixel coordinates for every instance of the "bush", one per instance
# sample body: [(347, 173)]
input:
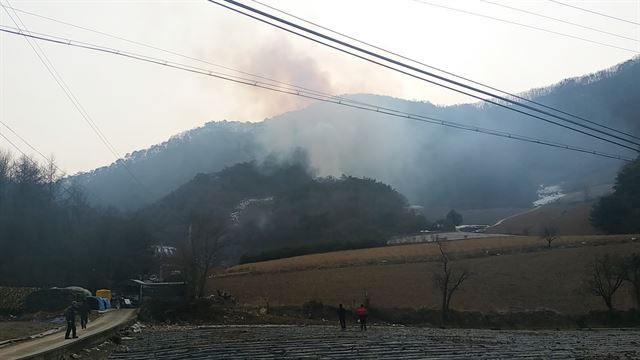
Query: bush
[(12, 299)]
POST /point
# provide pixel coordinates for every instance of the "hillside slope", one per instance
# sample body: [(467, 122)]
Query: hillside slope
[(277, 206), (568, 218), (433, 166)]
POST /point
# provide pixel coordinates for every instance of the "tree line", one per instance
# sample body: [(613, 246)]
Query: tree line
[(50, 236), (275, 209), (619, 212)]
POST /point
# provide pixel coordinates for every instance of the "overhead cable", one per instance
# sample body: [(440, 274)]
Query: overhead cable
[(495, 101), (594, 12), (24, 141), (286, 85), (319, 92), (71, 96), (308, 95), (449, 73), (559, 20), (527, 26)]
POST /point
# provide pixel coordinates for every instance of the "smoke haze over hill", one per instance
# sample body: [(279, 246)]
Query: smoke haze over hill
[(432, 166)]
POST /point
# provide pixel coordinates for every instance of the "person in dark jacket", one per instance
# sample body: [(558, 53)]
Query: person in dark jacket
[(362, 316), (70, 316), (84, 314), (342, 315)]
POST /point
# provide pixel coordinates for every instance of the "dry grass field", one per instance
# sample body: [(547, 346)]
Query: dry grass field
[(17, 329), (509, 274), (420, 252), (570, 218)]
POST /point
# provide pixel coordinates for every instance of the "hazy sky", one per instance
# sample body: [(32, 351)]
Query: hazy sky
[(138, 104)]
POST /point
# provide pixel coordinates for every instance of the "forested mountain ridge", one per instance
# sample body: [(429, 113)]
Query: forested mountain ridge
[(282, 204), (163, 167), (433, 166)]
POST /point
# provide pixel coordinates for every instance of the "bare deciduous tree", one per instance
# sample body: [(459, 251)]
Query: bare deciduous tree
[(632, 275), (549, 233), (5, 172), (207, 238), (605, 276), (448, 280), (52, 177)]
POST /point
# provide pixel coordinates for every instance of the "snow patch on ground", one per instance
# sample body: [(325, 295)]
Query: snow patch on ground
[(243, 205), (548, 194)]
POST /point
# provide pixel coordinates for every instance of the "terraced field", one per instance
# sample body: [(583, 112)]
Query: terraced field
[(510, 274), (421, 252), (327, 342)]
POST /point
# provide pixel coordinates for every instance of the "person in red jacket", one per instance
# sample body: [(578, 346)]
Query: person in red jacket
[(362, 316)]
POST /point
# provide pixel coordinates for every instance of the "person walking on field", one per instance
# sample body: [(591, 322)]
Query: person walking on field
[(362, 316), (70, 316), (84, 314), (342, 315)]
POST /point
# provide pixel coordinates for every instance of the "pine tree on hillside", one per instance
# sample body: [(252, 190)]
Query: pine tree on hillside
[(620, 211)]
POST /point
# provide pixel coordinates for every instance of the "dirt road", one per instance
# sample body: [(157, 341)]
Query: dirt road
[(388, 342), (37, 346)]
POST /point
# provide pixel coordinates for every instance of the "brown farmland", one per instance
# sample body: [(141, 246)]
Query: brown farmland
[(570, 218), (509, 274)]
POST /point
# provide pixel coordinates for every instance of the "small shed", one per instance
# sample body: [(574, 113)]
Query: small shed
[(162, 291)]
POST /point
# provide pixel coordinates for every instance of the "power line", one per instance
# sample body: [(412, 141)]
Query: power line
[(371, 108), (27, 157), (71, 96), (80, 109), (48, 160), (413, 68), (171, 52), (319, 92), (16, 147), (525, 25), (24, 141), (560, 20), (44, 59), (138, 43), (447, 72), (594, 12), (286, 84)]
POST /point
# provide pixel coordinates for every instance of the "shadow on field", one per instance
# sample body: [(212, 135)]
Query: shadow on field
[(509, 320), (207, 311)]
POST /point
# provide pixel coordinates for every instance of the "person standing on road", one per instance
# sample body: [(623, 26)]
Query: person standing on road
[(362, 316), (70, 316), (84, 314), (342, 315)]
